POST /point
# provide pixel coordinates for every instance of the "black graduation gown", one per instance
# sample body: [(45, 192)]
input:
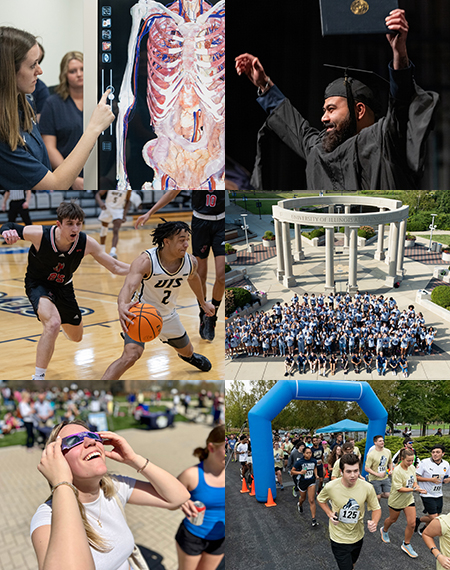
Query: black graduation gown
[(388, 155)]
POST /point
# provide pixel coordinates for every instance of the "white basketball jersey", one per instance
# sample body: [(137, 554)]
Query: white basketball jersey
[(161, 288), (116, 199)]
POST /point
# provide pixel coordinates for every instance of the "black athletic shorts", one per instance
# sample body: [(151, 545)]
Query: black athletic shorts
[(304, 484), (194, 545), (207, 234), (400, 510), (346, 555), (433, 505), (320, 471), (62, 297)]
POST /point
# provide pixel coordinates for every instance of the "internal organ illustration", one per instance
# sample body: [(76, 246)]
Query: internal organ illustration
[(185, 94)]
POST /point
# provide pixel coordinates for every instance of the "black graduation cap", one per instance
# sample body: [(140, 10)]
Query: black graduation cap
[(357, 85)]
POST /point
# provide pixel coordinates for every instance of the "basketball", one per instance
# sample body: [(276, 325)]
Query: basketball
[(147, 323)]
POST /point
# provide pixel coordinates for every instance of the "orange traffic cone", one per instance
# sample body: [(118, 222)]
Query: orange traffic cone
[(270, 501), (244, 486), (252, 492)]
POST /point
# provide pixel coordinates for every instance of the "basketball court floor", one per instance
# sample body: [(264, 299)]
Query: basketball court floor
[(96, 290)]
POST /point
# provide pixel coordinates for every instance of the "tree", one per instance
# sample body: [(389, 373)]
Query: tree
[(444, 201), (419, 401), (420, 200), (238, 402)]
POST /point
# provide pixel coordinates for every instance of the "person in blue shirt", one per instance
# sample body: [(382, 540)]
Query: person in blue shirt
[(381, 364), (368, 362), (403, 363), (61, 122), (24, 160), (301, 363), (393, 364), (305, 473)]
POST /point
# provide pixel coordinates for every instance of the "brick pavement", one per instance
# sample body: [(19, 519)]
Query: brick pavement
[(23, 489)]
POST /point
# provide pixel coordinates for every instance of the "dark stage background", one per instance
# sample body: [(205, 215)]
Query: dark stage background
[(287, 39)]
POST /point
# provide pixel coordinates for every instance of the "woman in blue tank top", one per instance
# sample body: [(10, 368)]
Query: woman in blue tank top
[(204, 544)]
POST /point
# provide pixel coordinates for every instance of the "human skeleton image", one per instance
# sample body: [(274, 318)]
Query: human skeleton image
[(185, 94)]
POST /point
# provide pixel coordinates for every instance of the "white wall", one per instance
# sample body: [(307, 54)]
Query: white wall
[(57, 23)]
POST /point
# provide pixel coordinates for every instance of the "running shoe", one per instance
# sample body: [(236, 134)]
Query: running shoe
[(420, 531), (208, 328), (299, 508), (409, 550), (198, 360), (385, 536), (294, 492), (281, 487), (314, 523)]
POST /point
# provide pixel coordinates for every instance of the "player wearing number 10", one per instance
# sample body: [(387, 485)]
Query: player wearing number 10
[(156, 277), (348, 496)]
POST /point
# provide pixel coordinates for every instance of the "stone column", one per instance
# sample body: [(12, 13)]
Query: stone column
[(379, 254), (331, 209), (353, 261), (329, 260), (347, 230), (279, 244), (288, 279), (401, 250), (392, 277), (298, 255), (389, 252)]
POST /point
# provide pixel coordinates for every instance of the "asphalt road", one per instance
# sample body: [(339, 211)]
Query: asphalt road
[(278, 538)]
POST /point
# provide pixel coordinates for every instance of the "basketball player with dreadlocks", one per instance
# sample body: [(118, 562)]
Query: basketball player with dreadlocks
[(159, 273), (208, 231)]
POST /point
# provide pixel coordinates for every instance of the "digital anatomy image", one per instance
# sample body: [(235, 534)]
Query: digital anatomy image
[(185, 94)]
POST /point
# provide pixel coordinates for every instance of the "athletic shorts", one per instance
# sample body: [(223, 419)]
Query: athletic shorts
[(207, 234), (172, 329), (400, 510), (62, 297), (320, 471), (111, 214), (346, 555), (303, 484), (382, 486), (278, 469), (432, 505), (194, 545)]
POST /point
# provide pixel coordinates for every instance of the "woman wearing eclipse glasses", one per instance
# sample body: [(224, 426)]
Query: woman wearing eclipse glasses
[(82, 524)]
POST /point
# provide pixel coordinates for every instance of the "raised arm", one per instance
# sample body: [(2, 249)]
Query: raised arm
[(114, 265), (67, 172), (163, 201), (251, 66), (397, 21)]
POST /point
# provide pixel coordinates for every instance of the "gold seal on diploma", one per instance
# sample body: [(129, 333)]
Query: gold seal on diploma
[(359, 7)]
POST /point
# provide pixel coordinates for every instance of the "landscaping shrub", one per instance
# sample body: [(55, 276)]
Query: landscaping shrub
[(236, 297), (418, 223), (227, 268), (441, 296), (317, 233), (366, 232), (422, 445)]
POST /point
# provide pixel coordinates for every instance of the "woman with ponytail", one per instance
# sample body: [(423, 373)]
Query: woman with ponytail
[(202, 546), (82, 524)]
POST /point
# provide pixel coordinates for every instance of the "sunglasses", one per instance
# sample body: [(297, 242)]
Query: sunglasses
[(77, 438)]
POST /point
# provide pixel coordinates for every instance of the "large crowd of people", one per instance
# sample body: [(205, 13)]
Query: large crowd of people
[(327, 333), (328, 474)]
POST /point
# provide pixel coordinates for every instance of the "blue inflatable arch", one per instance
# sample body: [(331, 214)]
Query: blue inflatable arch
[(261, 415)]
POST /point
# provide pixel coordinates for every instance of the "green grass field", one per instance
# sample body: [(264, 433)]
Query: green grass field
[(440, 238)]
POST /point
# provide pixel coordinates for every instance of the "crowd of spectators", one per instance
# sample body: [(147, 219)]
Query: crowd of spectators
[(320, 333)]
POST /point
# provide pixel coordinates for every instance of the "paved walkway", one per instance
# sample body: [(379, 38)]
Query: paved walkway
[(310, 274), (23, 489)]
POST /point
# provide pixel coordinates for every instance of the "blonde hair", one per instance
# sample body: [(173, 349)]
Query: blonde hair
[(14, 46), (63, 88), (216, 437), (106, 483)]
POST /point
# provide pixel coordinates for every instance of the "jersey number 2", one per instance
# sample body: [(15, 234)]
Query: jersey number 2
[(165, 299)]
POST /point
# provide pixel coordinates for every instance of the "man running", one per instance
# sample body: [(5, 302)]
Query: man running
[(317, 453), (208, 232), (378, 463), (349, 496), (305, 471), (159, 273), (114, 209), (242, 452), (432, 473), (53, 258)]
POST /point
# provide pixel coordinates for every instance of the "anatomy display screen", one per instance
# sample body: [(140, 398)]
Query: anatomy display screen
[(164, 63)]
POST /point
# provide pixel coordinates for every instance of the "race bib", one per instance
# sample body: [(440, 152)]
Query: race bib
[(309, 474), (349, 514)]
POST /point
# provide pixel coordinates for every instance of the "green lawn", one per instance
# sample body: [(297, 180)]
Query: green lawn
[(441, 238)]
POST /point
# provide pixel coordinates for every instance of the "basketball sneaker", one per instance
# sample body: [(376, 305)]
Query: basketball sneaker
[(209, 324), (198, 360)]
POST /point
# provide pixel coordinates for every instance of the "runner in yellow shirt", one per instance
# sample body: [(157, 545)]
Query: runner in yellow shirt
[(404, 483), (378, 464), (439, 527), (349, 495)]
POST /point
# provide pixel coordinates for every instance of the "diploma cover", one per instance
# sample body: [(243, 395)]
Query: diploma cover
[(355, 16)]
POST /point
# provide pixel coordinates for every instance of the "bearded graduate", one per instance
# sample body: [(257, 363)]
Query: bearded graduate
[(357, 149)]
